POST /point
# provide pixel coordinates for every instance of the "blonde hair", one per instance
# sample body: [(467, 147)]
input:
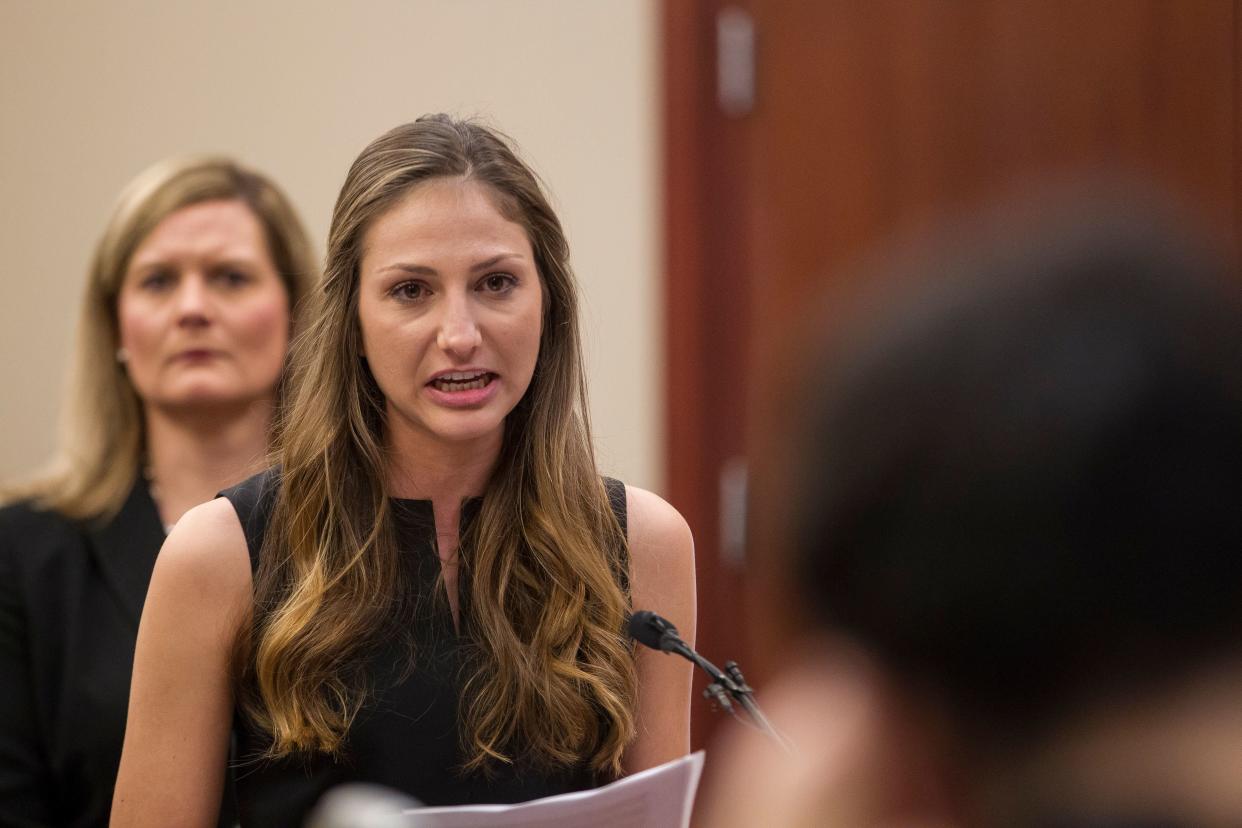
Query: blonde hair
[(545, 561), (103, 434)]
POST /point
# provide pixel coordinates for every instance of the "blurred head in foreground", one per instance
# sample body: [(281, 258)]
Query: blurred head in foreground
[(1020, 501)]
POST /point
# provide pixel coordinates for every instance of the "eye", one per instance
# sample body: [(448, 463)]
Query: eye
[(410, 291), (156, 281), (232, 277), (497, 283)]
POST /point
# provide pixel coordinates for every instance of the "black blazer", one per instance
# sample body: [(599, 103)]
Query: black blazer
[(71, 595)]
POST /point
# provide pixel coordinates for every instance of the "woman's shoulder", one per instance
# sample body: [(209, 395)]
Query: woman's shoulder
[(661, 557), (205, 554), (25, 516), (30, 533), (655, 523)]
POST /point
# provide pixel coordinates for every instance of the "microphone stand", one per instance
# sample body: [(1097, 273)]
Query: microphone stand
[(746, 696), (731, 684), (726, 686)]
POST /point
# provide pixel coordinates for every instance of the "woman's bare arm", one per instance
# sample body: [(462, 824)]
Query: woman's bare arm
[(662, 564), (181, 701)]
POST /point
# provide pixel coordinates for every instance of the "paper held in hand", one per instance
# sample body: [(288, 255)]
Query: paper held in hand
[(659, 797)]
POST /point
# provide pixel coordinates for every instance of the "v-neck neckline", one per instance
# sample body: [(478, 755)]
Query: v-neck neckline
[(415, 527)]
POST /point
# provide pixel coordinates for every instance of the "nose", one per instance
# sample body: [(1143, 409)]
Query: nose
[(193, 302), (458, 334)]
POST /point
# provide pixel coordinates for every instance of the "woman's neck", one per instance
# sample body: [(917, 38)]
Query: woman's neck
[(423, 468), (192, 456)]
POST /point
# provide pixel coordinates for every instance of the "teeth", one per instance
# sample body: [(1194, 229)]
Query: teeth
[(460, 381)]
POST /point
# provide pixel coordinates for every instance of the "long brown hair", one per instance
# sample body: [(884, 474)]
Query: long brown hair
[(103, 433), (545, 561)]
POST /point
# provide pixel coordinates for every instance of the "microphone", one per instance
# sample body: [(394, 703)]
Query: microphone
[(658, 633)]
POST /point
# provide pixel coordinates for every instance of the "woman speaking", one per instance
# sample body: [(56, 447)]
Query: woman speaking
[(429, 589)]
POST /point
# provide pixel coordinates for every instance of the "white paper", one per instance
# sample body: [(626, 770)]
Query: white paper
[(659, 797)]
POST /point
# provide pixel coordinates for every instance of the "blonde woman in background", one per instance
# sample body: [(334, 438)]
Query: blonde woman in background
[(429, 592), (184, 329)]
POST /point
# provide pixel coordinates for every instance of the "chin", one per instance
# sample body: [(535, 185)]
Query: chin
[(464, 436), (208, 397), (465, 433)]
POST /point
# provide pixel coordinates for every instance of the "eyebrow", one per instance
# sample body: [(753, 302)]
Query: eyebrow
[(229, 259), (423, 270)]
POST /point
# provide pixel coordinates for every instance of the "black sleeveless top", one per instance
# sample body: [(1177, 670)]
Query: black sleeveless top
[(406, 735)]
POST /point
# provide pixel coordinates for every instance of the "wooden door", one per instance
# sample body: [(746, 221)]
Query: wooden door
[(875, 118)]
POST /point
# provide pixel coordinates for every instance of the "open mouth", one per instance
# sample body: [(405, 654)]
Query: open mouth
[(462, 381)]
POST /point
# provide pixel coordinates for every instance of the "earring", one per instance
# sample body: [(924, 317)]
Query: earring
[(122, 355)]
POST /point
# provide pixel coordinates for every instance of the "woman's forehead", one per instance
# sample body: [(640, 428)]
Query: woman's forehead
[(442, 220)]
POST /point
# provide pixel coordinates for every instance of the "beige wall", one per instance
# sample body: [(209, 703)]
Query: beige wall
[(90, 93)]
